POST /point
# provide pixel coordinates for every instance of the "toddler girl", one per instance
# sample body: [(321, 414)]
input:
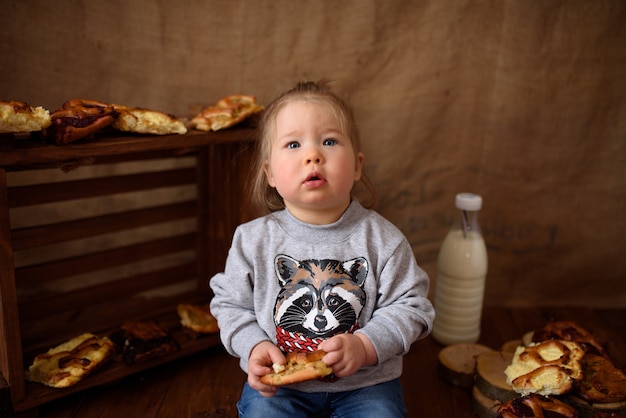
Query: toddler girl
[(319, 271)]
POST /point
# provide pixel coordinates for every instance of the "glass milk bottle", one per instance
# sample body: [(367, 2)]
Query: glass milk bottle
[(461, 272)]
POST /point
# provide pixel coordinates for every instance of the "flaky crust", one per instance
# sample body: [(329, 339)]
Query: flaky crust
[(570, 331), (299, 367), (146, 121), (227, 112), (70, 362), (21, 117), (547, 368), (197, 318)]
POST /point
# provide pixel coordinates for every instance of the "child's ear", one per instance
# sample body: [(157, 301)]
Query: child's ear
[(268, 174), (360, 157)]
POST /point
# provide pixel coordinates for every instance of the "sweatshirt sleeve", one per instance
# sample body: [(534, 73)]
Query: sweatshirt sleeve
[(403, 314), (233, 303)]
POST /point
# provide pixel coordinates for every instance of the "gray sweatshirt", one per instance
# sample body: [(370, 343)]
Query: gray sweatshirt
[(296, 284)]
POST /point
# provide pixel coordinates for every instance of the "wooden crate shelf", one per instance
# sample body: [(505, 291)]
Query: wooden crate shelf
[(35, 315)]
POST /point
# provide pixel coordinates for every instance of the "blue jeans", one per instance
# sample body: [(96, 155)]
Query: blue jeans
[(382, 400)]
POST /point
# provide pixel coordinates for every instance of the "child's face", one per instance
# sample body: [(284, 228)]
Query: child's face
[(312, 165)]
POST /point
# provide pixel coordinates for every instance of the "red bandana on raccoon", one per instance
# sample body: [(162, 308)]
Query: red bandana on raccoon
[(290, 341)]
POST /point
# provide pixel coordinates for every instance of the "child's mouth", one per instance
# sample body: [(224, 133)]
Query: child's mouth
[(314, 179)]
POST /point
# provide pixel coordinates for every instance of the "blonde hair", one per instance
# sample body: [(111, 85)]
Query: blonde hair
[(266, 198)]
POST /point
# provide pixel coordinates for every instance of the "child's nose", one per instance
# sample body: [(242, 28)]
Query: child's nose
[(314, 156)]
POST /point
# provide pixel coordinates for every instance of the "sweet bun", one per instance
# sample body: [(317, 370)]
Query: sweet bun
[(197, 318), (21, 117), (145, 121), (546, 368), (602, 382), (70, 362), (78, 119), (227, 112), (299, 367), (570, 331)]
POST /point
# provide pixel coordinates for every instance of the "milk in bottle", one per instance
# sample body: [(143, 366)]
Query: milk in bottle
[(461, 272)]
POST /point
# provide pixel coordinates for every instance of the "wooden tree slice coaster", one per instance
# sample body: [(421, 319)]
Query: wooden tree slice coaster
[(484, 407), (490, 377), (457, 363), (510, 346)]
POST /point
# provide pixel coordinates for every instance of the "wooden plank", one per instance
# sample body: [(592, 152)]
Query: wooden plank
[(47, 272), (70, 165), (222, 382), (6, 405), (31, 153), (10, 339), (42, 333), (81, 189), (108, 291), (224, 171), (203, 249), (40, 235), (223, 213)]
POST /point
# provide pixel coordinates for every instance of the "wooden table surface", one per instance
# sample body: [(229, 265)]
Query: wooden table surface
[(208, 384)]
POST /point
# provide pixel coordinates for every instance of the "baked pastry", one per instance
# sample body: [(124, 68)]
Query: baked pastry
[(145, 121), (570, 331), (141, 341), (78, 119), (227, 112), (602, 382), (197, 318), (70, 362), (534, 405), (546, 368), (300, 367), (21, 117)]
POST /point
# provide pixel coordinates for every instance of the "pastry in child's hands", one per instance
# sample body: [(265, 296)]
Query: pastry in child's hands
[(20, 117), (70, 362), (299, 367), (226, 112), (197, 318)]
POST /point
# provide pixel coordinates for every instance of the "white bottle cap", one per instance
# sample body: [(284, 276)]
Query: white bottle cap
[(468, 201)]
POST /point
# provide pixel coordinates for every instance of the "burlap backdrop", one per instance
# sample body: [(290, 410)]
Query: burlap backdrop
[(523, 102)]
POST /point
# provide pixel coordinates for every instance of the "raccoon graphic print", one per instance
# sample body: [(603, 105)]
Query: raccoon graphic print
[(317, 299)]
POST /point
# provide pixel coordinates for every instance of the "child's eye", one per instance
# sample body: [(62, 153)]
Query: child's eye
[(293, 145), (329, 142)]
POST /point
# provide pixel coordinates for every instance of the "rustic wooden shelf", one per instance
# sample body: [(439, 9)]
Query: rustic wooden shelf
[(37, 394), (30, 324)]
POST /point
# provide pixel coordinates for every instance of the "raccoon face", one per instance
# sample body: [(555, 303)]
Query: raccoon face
[(319, 298)]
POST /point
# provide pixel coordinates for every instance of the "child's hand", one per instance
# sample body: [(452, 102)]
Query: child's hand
[(262, 357), (347, 353)]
